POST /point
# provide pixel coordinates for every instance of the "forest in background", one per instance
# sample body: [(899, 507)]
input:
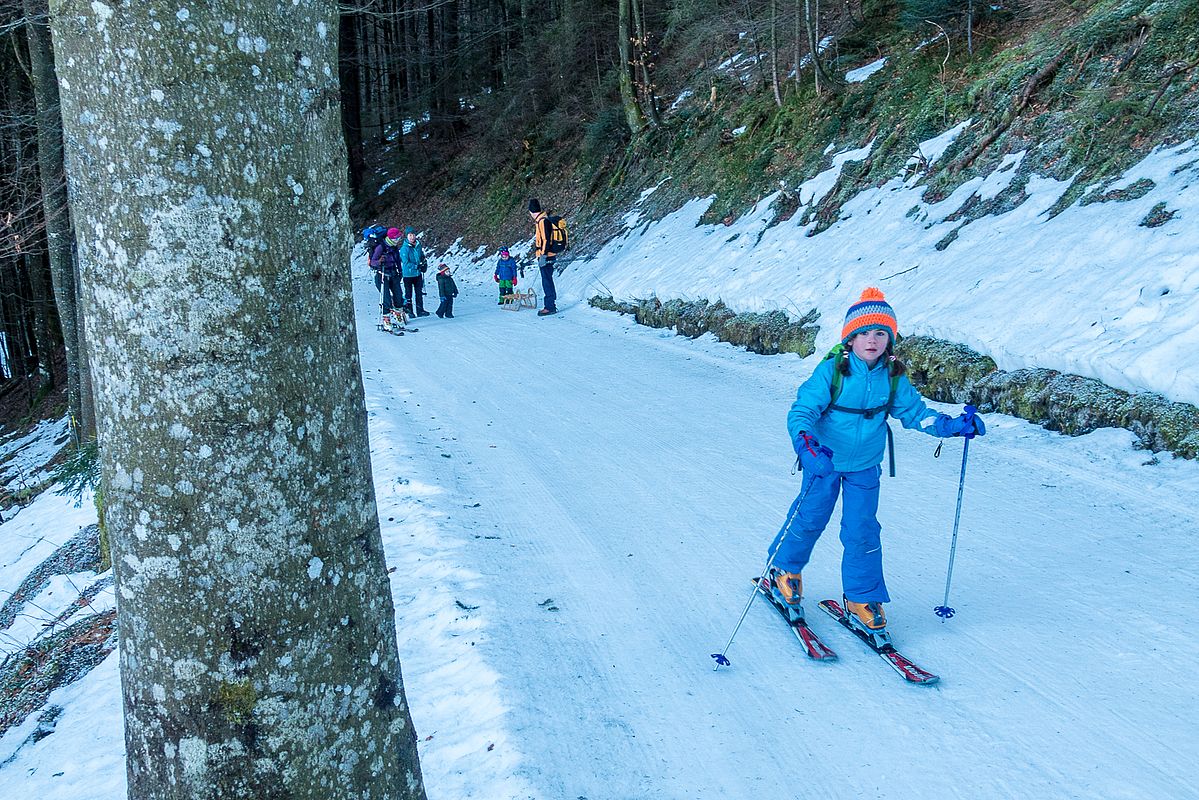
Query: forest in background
[(456, 111)]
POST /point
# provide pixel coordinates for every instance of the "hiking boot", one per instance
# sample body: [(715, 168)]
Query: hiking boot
[(869, 614), (789, 586), (422, 313), (545, 312)]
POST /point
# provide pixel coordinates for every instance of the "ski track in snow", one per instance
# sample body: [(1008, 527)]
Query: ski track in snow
[(634, 478)]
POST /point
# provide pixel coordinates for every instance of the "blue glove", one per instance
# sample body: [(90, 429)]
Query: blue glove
[(813, 456), (968, 424)]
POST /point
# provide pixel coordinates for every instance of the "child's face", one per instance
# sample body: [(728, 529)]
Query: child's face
[(870, 345)]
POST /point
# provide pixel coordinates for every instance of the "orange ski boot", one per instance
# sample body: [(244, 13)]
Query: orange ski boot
[(869, 615)]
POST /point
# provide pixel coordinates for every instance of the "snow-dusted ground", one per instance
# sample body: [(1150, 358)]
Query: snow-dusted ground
[(598, 494), (574, 507)]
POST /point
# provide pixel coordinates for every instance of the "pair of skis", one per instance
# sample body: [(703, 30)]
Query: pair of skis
[(879, 642)]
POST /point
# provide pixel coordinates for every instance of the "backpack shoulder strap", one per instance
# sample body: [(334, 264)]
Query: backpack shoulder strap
[(834, 388)]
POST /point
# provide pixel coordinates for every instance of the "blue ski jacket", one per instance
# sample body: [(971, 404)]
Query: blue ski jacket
[(410, 256), (506, 269), (857, 442)]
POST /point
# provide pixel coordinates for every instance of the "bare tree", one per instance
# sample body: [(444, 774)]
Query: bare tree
[(634, 115), (207, 179)]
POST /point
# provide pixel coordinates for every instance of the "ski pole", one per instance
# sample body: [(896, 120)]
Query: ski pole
[(721, 657), (944, 611), (382, 285)]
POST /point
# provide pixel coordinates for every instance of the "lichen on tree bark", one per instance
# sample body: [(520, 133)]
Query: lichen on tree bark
[(207, 179)]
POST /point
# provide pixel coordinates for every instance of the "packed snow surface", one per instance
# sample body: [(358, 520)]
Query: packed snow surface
[(574, 507)]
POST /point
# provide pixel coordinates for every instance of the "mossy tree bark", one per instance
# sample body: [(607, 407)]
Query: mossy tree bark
[(633, 113), (207, 178)]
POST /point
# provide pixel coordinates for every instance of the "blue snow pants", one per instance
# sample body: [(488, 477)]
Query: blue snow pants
[(862, 562)]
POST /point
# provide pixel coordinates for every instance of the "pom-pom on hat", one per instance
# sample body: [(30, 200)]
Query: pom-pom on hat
[(871, 311)]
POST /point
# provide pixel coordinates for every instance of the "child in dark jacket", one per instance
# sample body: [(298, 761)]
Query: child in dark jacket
[(448, 291), (505, 276)]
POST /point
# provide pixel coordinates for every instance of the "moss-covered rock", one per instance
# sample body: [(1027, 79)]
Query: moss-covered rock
[(766, 333), (943, 370), (1071, 404), (950, 373)]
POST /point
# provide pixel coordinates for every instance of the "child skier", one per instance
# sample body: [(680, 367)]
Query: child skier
[(845, 404), (505, 276), (448, 290)]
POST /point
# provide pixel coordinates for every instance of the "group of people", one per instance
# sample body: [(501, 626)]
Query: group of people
[(508, 272), (400, 265)]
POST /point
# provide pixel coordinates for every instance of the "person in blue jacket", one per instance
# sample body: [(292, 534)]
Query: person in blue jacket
[(505, 276), (412, 267), (838, 426)]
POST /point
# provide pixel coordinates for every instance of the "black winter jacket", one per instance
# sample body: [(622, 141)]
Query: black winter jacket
[(446, 286)]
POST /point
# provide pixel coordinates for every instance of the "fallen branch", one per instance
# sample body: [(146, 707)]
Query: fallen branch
[(1172, 72), (1031, 87)]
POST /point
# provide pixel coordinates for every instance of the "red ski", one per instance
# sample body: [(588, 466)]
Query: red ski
[(881, 644), (816, 649)]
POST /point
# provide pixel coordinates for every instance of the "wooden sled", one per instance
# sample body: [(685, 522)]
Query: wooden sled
[(519, 300)]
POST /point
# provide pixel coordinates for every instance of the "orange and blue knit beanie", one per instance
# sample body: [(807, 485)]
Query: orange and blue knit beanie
[(871, 311)]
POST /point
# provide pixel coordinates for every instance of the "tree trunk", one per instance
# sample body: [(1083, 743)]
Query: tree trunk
[(812, 22), (970, 28), (42, 304), (351, 104), (257, 633), (633, 114), (647, 83), (774, 52), (59, 235), (12, 322)]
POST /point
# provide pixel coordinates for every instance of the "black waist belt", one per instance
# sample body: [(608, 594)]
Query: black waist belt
[(870, 413)]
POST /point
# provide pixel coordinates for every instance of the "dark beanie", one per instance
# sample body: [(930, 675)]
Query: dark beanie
[(534, 206)]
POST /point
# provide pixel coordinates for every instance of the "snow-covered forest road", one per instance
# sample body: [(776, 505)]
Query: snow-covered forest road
[(575, 505)]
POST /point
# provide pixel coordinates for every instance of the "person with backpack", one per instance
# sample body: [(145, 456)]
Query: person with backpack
[(505, 276), (447, 290), (549, 239), (383, 259), (838, 427), (412, 266)]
